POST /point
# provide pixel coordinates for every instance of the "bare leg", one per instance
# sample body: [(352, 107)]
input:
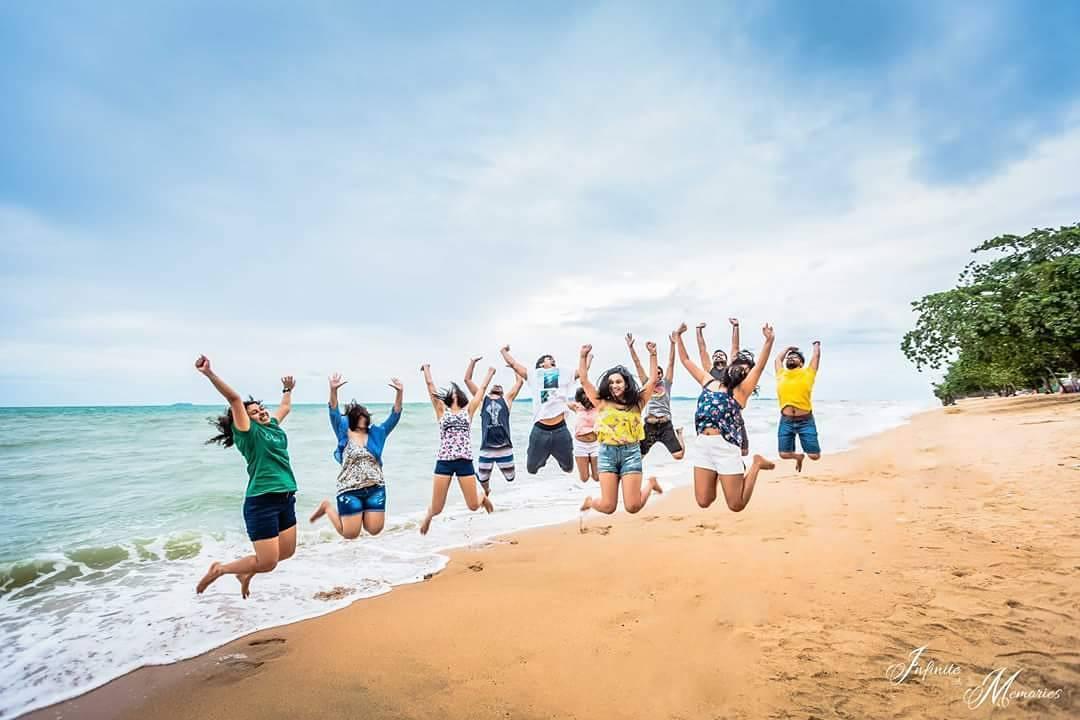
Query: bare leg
[(286, 540), (440, 486), (704, 486), (265, 559), (797, 457), (374, 521), (635, 493), (680, 454), (473, 499), (609, 495), (594, 466), (739, 488), (329, 509), (582, 468)]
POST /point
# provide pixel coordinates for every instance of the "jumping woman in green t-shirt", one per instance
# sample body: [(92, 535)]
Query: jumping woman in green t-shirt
[(270, 500)]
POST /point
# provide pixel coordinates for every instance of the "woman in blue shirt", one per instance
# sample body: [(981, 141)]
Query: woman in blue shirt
[(361, 488)]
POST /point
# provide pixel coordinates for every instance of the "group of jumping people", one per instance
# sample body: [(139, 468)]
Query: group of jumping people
[(618, 421)]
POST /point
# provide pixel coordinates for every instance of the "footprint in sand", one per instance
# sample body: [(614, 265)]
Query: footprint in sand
[(237, 666), (597, 530), (476, 566), (335, 593)]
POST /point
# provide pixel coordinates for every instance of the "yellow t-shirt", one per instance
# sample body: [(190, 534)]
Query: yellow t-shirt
[(619, 427), (794, 387)]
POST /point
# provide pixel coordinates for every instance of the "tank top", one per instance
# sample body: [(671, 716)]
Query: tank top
[(586, 422), (719, 409), (455, 440), (359, 469), (619, 427), (495, 424)]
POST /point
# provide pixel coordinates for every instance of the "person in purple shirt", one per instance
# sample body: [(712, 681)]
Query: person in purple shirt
[(361, 488)]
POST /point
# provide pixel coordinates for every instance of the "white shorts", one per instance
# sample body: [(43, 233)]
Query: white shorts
[(586, 449), (713, 452)]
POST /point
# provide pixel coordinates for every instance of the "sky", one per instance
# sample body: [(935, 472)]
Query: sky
[(305, 188)]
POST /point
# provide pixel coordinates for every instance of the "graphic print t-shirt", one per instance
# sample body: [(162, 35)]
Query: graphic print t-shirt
[(266, 449), (550, 388)]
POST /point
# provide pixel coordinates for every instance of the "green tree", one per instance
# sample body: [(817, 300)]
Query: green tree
[(1012, 320)]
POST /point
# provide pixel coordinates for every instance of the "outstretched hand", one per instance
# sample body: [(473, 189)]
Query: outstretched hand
[(651, 347), (287, 383), (585, 350), (767, 331), (425, 368), (336, 381), (202, 364), (505, 348), (630, 340), (396, 384), (700, 326), (682, 328), (734, 321)]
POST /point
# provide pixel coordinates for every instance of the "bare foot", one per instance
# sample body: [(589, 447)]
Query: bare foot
[(487, 504), (764, 463), (320, 511), (425, 526), (211, 575), (245, 584), (798, 461), (655, 485)]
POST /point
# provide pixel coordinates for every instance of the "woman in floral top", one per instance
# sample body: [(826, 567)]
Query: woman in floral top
[(720, 428), (454, 412)]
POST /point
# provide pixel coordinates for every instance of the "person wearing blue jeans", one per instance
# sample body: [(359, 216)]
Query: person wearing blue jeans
[(794, 388)]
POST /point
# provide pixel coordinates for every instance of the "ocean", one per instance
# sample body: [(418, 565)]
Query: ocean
[(116, 512)]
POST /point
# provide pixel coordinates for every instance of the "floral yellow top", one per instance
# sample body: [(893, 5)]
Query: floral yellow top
[(619, 427)]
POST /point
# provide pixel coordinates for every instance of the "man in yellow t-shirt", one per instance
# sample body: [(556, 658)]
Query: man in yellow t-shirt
[(794, 387)]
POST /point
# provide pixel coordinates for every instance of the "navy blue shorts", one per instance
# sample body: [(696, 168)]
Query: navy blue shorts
[(804, 427), (461, 468), (270, 514), (369, 499)]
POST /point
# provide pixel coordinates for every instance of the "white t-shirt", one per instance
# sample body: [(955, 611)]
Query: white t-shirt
[(550, 389)]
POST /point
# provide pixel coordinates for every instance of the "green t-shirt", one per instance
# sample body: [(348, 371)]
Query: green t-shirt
[(266, 449)]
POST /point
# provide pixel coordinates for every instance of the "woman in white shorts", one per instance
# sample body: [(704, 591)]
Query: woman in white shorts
[(586, 444), (721, 432)]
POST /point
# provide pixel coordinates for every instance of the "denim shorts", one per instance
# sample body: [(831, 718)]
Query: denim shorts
[(269, 514), (366, 499), (461, 468), (803, 426), (620, 459)]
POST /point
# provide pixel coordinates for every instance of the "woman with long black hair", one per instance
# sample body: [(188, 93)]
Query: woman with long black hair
[(270, 499), (454, 413), (721, 432)]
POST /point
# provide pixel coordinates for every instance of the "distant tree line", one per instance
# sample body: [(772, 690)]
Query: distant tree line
[(1011, 323)]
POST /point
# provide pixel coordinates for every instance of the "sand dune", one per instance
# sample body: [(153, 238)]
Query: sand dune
[(959, 532)]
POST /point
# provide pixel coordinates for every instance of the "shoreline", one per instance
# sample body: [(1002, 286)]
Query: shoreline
[(250, 659)]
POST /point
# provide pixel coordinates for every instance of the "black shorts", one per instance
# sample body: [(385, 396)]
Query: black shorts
[(547, 441), (270, 514), (661, 432)]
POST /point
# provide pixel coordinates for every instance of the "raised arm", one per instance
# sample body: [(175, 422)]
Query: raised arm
[(285, 406), (511, 362), (699, 375), (588, 365), (478, 397), (512, 395), (395, 413), (432, 392), (635, 358), (746, 387), (669, 374), (336, 381), (815, 359), (734, 338), (778, 366), (703, 350), (468, 374), (650, 384), (583, 375), (241, 421)]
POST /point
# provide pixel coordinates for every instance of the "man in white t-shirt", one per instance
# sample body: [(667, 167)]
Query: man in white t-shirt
[(550, 386)]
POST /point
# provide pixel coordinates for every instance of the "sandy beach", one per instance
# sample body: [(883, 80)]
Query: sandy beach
[(958, 532)]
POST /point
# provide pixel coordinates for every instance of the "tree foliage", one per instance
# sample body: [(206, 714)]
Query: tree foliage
[(1012, 320)]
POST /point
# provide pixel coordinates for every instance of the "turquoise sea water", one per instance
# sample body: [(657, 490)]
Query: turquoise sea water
[(114, 513)]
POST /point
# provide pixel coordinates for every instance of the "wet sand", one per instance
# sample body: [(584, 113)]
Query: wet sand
[(959, 532)]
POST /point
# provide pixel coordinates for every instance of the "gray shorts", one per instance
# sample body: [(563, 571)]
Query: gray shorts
[(547, 441)]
